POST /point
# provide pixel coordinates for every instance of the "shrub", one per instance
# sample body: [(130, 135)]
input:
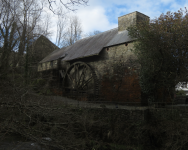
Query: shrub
[(180, 93)]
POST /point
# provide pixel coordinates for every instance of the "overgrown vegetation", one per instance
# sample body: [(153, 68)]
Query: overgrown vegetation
[(161, 48), (68, 127), (181, 93)]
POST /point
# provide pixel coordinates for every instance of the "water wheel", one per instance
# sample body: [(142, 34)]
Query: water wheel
[(80, 81)]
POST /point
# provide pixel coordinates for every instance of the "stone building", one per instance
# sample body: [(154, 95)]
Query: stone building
[(38, 48), (99, 66)]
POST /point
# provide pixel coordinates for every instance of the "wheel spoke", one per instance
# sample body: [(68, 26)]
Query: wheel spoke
[(83, 73), (70, 78), (86, 82), (74, 69), (76, 74), (80, 78)]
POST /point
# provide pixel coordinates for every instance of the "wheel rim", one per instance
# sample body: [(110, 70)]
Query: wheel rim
[(80, 79)]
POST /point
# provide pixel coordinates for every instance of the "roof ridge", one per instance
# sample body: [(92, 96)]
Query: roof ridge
[(99, 33)]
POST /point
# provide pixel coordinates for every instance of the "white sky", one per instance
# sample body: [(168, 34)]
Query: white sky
[(103, 15)]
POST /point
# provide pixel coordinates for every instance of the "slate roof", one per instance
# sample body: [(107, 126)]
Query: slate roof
[(56, 54), (89, 46), (33, 41)]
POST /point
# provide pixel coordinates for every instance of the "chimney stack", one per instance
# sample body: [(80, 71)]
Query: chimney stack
[(130, 19)]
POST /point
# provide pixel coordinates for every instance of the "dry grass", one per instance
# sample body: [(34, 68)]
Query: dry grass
[(34, 117)]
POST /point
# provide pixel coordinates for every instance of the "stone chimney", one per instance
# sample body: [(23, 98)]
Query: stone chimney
[(130, 19)]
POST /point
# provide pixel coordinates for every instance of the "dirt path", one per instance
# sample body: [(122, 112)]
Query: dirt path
[(86, 104)]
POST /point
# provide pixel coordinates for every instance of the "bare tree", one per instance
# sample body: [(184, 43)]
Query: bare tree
[(9, 36), (43, 26), (69, 5), (68, 33), (61, 28), (21, 23), (30, 14), (74, 31), (95, 32)]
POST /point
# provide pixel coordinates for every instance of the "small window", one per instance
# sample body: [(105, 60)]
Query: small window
[(51, 64), (44, 66)]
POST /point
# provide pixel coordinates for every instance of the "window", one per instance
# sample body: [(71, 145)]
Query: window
[(51, 64)]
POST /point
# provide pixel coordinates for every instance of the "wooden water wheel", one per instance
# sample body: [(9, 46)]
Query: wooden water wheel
[(80, 80)]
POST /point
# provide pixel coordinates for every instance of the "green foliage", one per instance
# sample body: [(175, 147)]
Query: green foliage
[(39, 86), (161, 49), (39, 82), (180, 93)]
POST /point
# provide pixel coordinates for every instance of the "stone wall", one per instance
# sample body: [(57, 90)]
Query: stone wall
[(147, 114), (181, 100), (111, 56), (121, 115), (141, 113), (117, 74), (130, 19), (41, 48), (48, 65), (175, 112)]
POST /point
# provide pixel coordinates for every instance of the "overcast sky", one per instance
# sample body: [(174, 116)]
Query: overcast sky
[(103, 15)]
